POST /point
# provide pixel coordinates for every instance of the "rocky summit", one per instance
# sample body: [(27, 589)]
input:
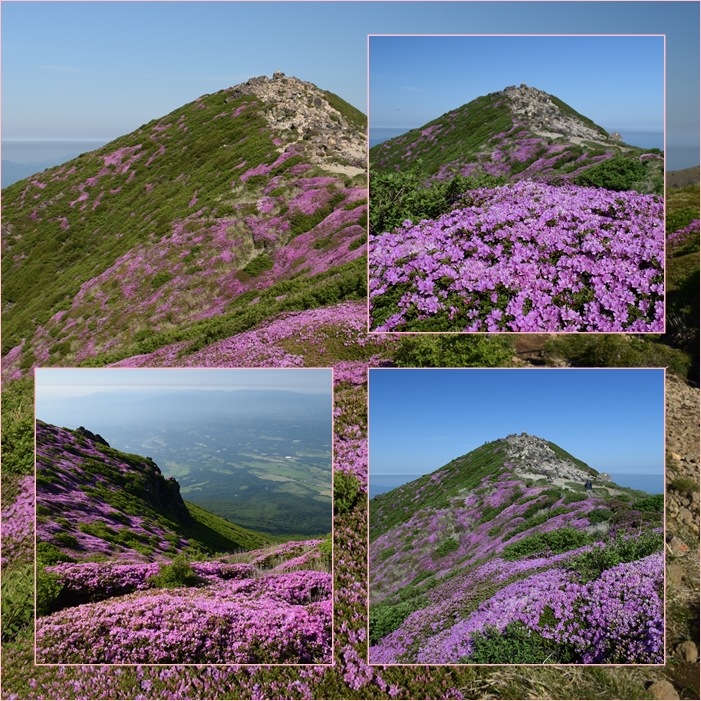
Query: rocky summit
[(547, 118), (334, 137), (535, 458)]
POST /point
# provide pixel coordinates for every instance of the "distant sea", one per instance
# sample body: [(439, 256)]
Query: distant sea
[(677, 156), (652, 484), (379, 484), (644, 139), (380, 134), (20, 159)]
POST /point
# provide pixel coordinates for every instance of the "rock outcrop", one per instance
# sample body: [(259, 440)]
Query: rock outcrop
[(532, 457), (303, 113), (95, 437), (543, 116)]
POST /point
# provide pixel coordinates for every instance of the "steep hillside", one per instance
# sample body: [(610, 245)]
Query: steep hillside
[(512, 521), (519, 133), (96, 503), (193, 216)]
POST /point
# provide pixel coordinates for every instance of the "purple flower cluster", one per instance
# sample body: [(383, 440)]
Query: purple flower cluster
[(678, 238), (277, 619), (615, 619), (528, 257), (102, 580), (18, 522), (268, 345)]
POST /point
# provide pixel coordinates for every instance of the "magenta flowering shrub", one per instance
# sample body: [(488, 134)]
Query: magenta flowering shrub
[(95, 581), (278, 619), (615, 619), (525, 257), (679, 238), (18, 522), (287, 340)]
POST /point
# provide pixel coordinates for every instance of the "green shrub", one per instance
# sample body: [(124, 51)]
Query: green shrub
[(49, 591), (590, 565), (447, 546), (160, 279), (558, 541), (655, 502), (680, 218), (387, 553), (453, 351), (573, 497), (346, 492), (599, 515), (326, 550), (258, 265), (386, 619), (67, 539), (178, 573), (616, 350), (421, 577), (617, 173), (18, 427), (48, 554), (357, 243), (518, 644), (539, 505), (17, 600), (685, 484), (398, 196)]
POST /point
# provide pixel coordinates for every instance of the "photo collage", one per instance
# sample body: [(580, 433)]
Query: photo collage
[(350, 350)]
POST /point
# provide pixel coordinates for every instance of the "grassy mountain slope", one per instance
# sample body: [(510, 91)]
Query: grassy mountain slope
[(450, 550), (95, 503), (492, 136), (175, 222)]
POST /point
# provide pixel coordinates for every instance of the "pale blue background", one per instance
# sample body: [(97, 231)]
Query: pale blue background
[(421, 419), (94, 71)]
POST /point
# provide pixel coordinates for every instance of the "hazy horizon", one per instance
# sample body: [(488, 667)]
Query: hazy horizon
[(67, 72)]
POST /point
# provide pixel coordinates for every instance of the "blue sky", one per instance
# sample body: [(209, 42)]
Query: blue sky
[(92, 70), (419, 420), (53, 382), (618, 81)]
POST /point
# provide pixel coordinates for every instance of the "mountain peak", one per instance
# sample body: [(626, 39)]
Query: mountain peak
[(533, 458), (300, 112), (548, 116)]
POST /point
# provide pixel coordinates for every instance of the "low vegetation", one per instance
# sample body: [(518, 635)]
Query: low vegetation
[(476, 537)]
